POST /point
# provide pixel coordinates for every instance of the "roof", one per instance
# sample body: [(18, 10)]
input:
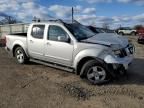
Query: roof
[(58, 21)]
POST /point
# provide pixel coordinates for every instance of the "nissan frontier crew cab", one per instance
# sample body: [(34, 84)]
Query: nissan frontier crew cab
[(72, 47)]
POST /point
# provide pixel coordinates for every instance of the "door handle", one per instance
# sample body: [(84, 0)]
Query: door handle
[(31, 41), (48, 43)]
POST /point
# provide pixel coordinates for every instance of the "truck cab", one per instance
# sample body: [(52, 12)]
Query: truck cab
[(96, 57)]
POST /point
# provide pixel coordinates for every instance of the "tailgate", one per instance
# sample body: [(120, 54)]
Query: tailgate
[(12, 40)]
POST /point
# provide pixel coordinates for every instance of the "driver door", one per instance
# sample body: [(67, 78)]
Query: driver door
[(58, 51)]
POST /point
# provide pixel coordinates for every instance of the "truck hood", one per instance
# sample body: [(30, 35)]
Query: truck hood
[(107, 39)]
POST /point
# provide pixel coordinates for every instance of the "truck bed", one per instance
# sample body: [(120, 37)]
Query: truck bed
[(17, 37), (19, 34)]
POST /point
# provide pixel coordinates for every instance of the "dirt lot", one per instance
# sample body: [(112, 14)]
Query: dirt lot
[(37, 86)]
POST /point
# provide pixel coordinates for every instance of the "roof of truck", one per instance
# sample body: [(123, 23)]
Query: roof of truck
[(57, 22)]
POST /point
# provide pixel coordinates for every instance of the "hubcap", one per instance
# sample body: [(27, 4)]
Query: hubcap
[(96, 73), (20, 56)]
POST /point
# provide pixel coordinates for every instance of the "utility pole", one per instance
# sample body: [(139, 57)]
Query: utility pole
[(9, 22), (72, 14)]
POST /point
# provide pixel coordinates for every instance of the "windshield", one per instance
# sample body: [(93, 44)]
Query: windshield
[(109, 31), (79, 31), (126, 28), (99, 30)]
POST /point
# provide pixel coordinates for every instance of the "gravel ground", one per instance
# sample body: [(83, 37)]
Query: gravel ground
[(38, 86)]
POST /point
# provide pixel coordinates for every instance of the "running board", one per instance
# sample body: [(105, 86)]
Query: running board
[(53, 65)]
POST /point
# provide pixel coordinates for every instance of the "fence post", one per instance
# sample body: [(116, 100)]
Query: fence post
[(0, 32), (23, 28), (10, 29)]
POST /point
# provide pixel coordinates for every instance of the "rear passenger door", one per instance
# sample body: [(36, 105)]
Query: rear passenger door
[(127, 31), (36, 42), (58, 51)]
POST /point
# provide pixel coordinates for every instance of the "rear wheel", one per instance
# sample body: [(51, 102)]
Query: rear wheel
[(133, 33), (121, 33), (95, 72), (20, 55)]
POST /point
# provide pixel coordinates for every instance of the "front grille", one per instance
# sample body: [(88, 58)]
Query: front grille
[(131, 49), (123, 53), (126, 51)]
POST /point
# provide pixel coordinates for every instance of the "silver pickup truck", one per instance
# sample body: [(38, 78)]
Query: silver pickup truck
[(73, 47)]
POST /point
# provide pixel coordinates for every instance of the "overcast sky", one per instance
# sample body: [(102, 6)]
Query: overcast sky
[(95, 12)]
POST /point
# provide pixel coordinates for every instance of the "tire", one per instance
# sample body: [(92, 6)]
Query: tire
[(133, 33), (121, 33), (20, 55), (95, 72)]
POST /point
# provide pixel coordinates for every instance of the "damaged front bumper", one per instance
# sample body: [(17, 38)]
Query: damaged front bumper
[(124, 58), (118, 64), (109, 59)]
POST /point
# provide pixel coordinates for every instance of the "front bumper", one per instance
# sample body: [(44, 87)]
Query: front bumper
[(125, 59), (109, 59), (118, 66)]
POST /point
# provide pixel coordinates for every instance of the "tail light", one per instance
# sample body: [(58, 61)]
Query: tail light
[(5, 41)]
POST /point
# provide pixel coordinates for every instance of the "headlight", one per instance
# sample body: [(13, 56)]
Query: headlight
[(117, 52)]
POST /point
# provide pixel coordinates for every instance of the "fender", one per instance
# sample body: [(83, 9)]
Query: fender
[(20, 43), (94, 53)]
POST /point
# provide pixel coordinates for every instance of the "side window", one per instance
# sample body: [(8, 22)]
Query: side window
[(56, 31), (38, 31)]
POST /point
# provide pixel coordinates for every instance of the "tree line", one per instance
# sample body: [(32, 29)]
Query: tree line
[(7, 19)]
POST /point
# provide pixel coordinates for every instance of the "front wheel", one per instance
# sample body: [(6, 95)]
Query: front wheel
[(20, 55), (133, 33), (95, 72), (121, 33)]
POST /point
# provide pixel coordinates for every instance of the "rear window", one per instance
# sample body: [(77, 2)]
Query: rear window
[(38, 31)]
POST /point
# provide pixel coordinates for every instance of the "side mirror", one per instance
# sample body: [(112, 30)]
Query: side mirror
[(63, 39)]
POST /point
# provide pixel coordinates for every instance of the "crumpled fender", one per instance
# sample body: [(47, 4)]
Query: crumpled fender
[(95, 53)]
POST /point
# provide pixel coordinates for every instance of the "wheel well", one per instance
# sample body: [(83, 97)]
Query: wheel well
[(121, 32), (81, 63), (14, 48), (133, 32)]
